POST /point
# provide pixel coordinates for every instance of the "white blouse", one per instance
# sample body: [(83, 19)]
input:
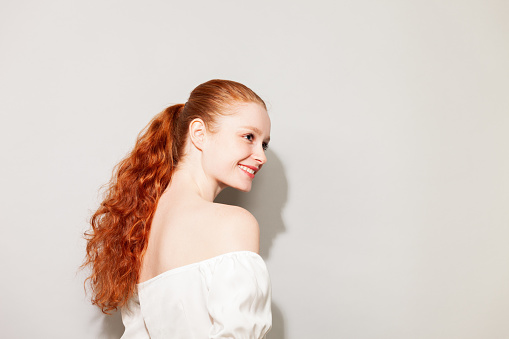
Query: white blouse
[(227, 296)]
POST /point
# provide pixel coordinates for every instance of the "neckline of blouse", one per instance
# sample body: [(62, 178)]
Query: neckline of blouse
[(189, 266)]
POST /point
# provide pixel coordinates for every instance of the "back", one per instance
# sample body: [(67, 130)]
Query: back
[(186, 231)]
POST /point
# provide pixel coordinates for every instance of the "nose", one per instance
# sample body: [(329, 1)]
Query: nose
[(260, 156)]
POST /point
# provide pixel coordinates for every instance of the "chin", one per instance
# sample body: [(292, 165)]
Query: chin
[(242, 188)]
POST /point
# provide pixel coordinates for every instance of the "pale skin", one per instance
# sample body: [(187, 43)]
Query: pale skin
[(188, 226)]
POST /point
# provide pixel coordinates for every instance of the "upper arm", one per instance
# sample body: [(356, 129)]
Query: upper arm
[(239, 300), (238, 230)]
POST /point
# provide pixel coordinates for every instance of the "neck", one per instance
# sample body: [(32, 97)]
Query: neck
[(190, 182)]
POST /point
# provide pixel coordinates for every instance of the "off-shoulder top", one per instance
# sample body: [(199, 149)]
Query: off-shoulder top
[(227, 296)]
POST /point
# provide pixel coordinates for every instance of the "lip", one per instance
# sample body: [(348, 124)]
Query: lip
[(250, 167)]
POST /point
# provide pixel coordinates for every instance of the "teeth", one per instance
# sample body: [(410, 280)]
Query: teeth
[(247, 169)]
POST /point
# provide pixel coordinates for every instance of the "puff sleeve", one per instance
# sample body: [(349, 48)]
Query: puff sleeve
[(239, 300)]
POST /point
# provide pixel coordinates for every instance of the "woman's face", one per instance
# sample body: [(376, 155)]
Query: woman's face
[(236, 150)]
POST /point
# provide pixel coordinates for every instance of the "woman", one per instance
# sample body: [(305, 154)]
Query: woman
[(177, 264)]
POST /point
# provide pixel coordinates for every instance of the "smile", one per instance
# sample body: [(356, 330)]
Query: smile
[(247, 169)]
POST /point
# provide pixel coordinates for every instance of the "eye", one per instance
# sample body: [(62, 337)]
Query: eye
[(250, 137)]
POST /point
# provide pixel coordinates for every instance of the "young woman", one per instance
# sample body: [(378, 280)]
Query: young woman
[(177, 264)]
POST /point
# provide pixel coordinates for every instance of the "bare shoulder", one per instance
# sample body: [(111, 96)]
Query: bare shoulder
[(237, 229)]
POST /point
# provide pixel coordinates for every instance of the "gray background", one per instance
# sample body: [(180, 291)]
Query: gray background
[(384, 205)]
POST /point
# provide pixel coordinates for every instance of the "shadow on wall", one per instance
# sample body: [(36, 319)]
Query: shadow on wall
[(266, 201), (111, 326), (278, 324)]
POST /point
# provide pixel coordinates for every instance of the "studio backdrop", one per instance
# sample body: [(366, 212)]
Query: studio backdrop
[(383, 207)]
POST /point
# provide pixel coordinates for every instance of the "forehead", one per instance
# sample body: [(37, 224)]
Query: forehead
[(247, 115)]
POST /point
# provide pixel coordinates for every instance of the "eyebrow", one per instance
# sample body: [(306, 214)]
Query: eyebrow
[(257, 130)]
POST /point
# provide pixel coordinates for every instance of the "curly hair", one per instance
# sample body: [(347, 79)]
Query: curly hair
[(118, 237)]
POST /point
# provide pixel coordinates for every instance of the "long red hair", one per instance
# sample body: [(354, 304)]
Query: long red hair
[(120, 227)]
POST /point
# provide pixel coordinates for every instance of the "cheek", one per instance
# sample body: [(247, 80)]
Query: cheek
[(241, 151), (227, 153)]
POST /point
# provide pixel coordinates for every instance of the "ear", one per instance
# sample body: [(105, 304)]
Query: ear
[(197, 132)]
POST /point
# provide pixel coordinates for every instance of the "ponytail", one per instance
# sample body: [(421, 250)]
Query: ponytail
[(121, 226)]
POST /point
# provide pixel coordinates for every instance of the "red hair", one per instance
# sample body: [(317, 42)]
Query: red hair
[(120, 227)]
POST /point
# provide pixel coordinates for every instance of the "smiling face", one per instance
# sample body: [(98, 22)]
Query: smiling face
[(235, 151)]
